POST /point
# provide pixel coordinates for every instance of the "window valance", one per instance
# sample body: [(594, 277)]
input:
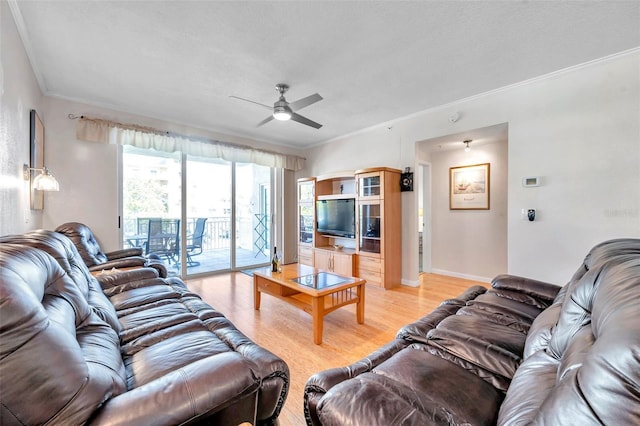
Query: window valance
[(98, 130)]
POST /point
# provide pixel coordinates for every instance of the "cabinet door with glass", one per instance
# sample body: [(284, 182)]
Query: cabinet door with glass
[(370, 185), (370, 226)]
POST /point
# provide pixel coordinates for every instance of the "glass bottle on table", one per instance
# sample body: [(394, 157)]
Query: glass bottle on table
[(275, 261)]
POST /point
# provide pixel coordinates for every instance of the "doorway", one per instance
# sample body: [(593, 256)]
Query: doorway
[(424, 217), (467, 243)]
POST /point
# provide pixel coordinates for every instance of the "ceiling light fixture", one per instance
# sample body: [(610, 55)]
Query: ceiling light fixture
[(281, 112), (44, 181), (467, 142)]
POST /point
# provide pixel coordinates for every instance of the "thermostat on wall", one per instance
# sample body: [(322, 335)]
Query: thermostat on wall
[(530, 181)]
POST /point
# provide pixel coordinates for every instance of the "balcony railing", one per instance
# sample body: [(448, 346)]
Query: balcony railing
[(251, 232)]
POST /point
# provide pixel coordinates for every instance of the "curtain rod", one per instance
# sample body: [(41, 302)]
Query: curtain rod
[(168, 133)]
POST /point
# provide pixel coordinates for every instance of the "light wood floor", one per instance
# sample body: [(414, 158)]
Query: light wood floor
[(287, 331)]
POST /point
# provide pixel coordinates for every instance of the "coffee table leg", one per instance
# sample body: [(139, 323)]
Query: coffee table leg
[(317, 313), (256, 294), (360, 304)]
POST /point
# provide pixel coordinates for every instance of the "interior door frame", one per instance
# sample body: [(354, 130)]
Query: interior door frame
[(424, 186)]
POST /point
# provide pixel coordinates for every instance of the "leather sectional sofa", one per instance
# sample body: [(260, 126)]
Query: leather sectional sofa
[(126, 348), (522, 352)]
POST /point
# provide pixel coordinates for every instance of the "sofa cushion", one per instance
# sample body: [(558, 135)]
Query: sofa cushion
[(503, 310), (417, 331), (84, 241), (188, 395), (589, 371), (61, 249), (165, 326), (411, 388), (490, 346), (66, 254), (157, 354), (529, 387), (154, 318), (73, 357)]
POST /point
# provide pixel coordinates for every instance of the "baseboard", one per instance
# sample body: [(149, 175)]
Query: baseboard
[(409, 283), (459, 275)]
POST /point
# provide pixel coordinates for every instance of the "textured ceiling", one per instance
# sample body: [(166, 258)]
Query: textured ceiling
[(372, 62)]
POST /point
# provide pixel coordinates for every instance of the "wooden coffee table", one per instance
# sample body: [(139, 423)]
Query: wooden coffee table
[(314, 291)]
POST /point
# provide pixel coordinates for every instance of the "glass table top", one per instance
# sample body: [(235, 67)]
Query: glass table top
[(321, 280)]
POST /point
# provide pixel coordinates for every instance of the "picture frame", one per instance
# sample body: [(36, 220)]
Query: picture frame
[(469, 187), (36, 142)]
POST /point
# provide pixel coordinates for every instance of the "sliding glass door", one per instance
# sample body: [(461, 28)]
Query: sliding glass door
[(253, 214), (151, 204), (223, 209), (209, 190)]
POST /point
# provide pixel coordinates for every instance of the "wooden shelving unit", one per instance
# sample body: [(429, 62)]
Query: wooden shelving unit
[(375, 253), (379, 233)]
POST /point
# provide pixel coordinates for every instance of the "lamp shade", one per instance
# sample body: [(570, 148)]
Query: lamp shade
[(45, 181)]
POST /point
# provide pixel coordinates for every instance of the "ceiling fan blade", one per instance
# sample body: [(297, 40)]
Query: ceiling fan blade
[(304, 120), (305, 102), (265, 121), (270, 107)]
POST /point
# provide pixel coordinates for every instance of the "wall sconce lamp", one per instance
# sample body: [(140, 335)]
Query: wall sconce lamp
[(44, 181), (467, 142)]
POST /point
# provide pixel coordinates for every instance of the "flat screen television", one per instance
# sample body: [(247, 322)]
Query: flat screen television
[(337, 217)]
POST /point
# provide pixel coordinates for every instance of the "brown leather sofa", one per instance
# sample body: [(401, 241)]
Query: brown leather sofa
[(127, 348), (521, 352), (97, 260)]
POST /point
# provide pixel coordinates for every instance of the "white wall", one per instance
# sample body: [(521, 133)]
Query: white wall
[(579, 130), (19, 93), (470, 243)]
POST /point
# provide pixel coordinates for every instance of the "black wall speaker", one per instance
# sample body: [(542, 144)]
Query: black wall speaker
[(406, 181)]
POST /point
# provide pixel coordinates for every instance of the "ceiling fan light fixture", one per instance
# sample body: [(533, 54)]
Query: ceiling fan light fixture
[(285, 111), (282, 113)]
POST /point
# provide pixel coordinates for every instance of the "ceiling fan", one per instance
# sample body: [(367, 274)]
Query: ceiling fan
[(283, 110)]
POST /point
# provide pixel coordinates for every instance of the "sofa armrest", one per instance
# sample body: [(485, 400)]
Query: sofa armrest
[(128, 262), (108, 279), (321, 382), (131, 263), (534, 288), (194, 392), (128, 252)]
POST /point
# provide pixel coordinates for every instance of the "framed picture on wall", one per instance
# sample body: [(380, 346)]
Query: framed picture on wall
[(37, 158), (469, 187)]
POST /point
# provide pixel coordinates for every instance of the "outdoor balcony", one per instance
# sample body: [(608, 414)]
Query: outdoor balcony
[(215, 251)]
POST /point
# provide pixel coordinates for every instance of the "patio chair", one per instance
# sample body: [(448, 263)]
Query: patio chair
[(97, 260), (163, 239), (194, 242)]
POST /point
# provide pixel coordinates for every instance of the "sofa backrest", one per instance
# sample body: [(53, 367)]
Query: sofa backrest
[(62, 249), (59, 361), (85, 241), (581, 359)]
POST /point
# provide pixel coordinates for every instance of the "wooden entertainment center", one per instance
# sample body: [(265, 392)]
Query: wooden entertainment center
[(374, 251)]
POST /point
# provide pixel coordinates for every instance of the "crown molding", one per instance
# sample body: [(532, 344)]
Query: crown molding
[(396, 121), (26, 43)]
